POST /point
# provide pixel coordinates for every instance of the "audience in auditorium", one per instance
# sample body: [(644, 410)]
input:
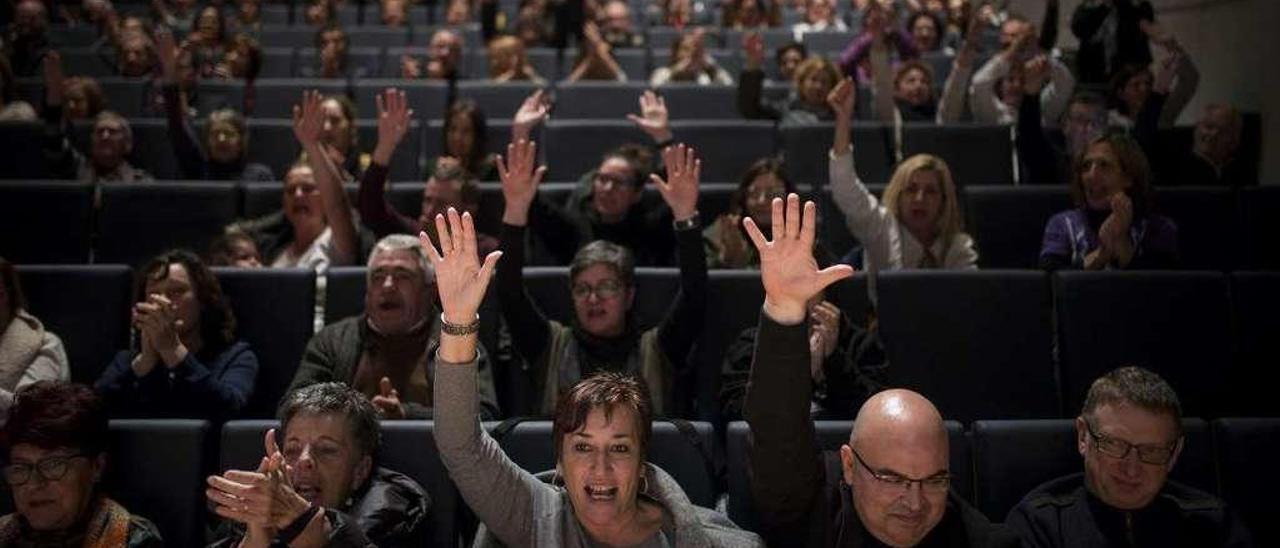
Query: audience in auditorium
[(1047, 153), (617, 27), (68, 99), (998, 87), (908, 95), (332, 57), (685, 13), (725, 240), (508, 62), (890, 483), (242, 60), (691, 63), (806, 104), (602, 490), (325, 486), (603, 336), (465, 136), (926, 32), (185, 360), (1175, 80), (595, 59), (387, 353), (879, 33), (109, 149), (26, 41), (819, 16), (28, 352), (444, 58), (750, 14), (55, 444), (1114, 224), (1130, 436), (207, 40), (918, 225), (788, 56), (1215, 156)]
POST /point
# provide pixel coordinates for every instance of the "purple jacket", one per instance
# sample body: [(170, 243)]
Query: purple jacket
[(1071, 235), (860, 48)]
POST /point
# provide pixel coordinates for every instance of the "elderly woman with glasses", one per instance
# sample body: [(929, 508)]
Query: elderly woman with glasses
[(56, 445), (609, 495), (603, 335)]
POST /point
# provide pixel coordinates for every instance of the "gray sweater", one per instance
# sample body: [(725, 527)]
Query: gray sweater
[(518, 509)]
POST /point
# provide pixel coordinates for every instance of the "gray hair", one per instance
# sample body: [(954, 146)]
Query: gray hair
[(1134, 386), (404, 242), (334, 398)]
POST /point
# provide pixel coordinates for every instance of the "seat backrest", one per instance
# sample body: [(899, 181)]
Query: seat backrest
[(655, 291), (530, 445), (283, 36), (598, 100), (274, 98), (1007, 222), (1175, 323), (44, 221), (428, 100), (821, 43), (22, 142), (978, 344), (144, 475), (344, 290), (727, 159), (975, 154), (274, 311), (1012, 457), (1245, 448), (692, 101), (124, 95), (1259, 220), (86, 306), (139, 220), (805, 150), (407, 162), (1207, 220), (499, 101), (1255, 297), (273, 142)]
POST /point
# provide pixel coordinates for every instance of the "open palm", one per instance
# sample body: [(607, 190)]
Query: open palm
[(787, 267), (460, 278)]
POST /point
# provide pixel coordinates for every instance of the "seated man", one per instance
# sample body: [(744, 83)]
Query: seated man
[(328, 489), (1214, 157), (617, 27), (387, 352), (444, 57), (890, 484), (109, 149), (1130, 436)]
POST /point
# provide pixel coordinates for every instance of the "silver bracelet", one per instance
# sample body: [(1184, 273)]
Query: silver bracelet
[(459, 330)]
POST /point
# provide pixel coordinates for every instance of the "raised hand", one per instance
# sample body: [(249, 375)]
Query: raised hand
[(1166, 72), (387, 402), (394, 116), (308, 119), (54, 79), (1035, 74), (653, 118), (842, 99), (461, 280), (167, 54), (410, 67), (753, 46), (680, 191), (787, 267), (520, 180), (533, 111)]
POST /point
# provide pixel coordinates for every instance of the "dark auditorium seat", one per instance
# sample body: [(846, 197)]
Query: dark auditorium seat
[(156, 469), (367, 58), (274, 144), (497, 136), (344, 292), (86, 306), (274, 311), (22, 142), (265, 198), (45, 221), (1259, 223), (1007, 222), (1247, 449), (1207, 220), (530, 445), (693, 101), (599, 100), (1015, 456), (1175, 323), (830, 435), (408, 447), (152, 148), (426, 98), (805, 150), (976, 154), (274, 98), (139, 220), (498, 100), (1255, 298), (978, 344), (575, 147), (406, 162)]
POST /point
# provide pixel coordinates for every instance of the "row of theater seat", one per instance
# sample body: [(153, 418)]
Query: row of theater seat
[(986, 344), (58, 222), (157, 466)]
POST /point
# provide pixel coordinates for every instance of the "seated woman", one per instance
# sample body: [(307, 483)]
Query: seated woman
[(726, 242), (328, 488), (919, 225), (603, 336), (465, 138), (819, 16), (186, 362), (55, 444), (603, 491), (807, 102), (691, 63), (1175, 78), (28, 353), (207, 40), (508, 63), (751, 14), (1113, 225)]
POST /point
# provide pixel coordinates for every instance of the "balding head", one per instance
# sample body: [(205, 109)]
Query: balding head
[(898, 437)]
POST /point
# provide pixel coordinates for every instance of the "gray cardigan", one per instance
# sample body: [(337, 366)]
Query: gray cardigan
[(518, 509)]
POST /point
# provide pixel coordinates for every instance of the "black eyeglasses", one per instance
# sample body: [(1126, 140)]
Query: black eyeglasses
[(933, 485), (1149, 453), (605, 290), (50, 469)]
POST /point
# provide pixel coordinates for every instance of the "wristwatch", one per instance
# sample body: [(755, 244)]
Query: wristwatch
[(692, 222)]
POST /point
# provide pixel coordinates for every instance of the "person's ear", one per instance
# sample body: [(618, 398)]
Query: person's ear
[(846, 463), (1082, 434), (631, 297), (1177, 451)]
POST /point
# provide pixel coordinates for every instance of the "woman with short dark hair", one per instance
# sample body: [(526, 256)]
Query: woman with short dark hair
[(185, 361), (28, 352), (56, 448)]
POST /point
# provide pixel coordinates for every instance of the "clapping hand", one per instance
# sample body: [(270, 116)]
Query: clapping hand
[(787, 267), (264, 500), (680, 191)]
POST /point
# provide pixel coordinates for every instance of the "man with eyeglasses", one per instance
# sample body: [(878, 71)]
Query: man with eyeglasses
[(387, 353), (108, 161), (1130, 436), (1047, 153), (890, 485)]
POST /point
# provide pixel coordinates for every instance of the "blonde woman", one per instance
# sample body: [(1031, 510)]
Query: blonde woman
[(508, 63), (918, 225)]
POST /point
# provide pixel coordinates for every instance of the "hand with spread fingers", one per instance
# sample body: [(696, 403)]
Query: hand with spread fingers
[(680, 190), (394, 117), (520, 180), (461, 281), (533, 111), (787, 268), (263, 500), (308, 119), (653, 119)]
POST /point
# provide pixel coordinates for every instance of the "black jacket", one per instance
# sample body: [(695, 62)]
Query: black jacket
[(799, 491), (1063, 513)]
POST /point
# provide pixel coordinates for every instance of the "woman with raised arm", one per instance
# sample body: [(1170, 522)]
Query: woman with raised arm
[(603, 491), (918, 225), (603, 336)]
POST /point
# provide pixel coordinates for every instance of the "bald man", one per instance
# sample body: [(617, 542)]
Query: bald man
[(890, 485)]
